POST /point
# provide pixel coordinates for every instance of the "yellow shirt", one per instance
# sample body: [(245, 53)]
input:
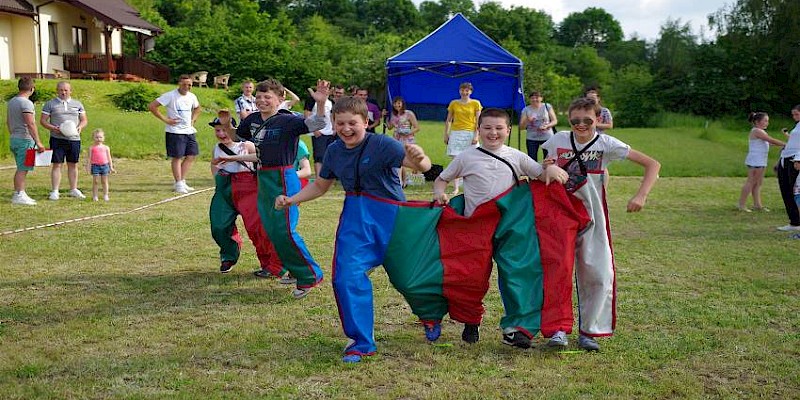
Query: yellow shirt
[(464, 115)]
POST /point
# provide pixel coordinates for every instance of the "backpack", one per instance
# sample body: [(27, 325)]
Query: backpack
[(433, 173)]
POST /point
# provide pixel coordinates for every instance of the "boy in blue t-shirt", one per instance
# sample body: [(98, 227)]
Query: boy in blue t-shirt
[(368, 167)]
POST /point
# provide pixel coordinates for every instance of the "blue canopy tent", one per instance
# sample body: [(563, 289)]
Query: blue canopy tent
[(429, 72)]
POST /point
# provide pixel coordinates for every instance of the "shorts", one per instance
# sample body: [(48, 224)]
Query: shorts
[(19, 147), (755, 166), (65, 149), (100, 169), (459, 141), (320, 144), (180, 145), (405, 139)]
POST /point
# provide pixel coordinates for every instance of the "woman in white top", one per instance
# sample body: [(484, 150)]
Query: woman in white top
[(756, 160), (787, 175)]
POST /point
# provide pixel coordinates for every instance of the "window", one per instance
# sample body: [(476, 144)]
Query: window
[(80, 40), (52, 29)]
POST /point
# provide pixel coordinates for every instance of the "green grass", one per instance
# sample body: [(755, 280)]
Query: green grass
[(132, 306)]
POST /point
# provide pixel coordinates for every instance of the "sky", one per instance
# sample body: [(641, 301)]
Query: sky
[(644, 17)]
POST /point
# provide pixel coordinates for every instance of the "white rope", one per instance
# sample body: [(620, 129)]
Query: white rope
[(69, 221)]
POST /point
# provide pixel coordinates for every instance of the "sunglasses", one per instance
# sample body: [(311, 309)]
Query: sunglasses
[(578, 121)]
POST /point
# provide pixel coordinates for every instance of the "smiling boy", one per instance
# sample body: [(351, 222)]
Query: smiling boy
[(488, 171), (368, 167), (585, 154)]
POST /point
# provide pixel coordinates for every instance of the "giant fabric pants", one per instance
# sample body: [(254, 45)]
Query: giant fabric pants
[(787, 176), (236, 194), (595, 273), (281, 225)]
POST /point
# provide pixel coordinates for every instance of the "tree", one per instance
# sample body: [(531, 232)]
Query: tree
[(633, 96), (434, 13), (389, 15), (531, 28), (592, 27)]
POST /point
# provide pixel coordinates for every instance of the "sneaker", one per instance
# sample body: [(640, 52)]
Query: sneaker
[(587, 343), (105, 198), (76, 193), (94, 198), (226, 266), (186, 185), (762, 209), (789, 228), (517, 339), (299, 293), (22, 199), (432, 330), (54, 195), (794, 236), (471, 333), (351, 358), (559, 339), (180, 188), (262, 273), (288, 279), (743, 209)]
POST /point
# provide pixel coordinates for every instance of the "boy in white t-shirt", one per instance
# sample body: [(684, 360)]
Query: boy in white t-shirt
[(584, 154), (487, 173)]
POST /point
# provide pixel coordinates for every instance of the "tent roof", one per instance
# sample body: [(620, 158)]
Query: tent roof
[(456, 41)]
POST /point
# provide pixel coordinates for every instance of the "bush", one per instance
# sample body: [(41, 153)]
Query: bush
[(40, 95), (136, 98)]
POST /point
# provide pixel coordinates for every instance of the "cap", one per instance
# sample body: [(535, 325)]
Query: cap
[(216, 122)]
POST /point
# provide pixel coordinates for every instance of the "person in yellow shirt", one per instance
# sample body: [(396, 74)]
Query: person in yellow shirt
[(461, 125)]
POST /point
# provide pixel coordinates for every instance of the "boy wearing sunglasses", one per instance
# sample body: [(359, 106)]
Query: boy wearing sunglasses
[(585, 154)]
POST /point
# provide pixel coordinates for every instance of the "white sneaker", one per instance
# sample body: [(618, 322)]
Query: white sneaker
[(180, 187), (789, 228), (186, 185), (22, 199), (105, 198), (559, 339), (76, 193), (54, 195)]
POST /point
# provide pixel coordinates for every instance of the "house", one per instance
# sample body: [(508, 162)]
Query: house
[(77, 38)]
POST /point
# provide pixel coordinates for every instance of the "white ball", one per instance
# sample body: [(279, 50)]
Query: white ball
[(70, 130)]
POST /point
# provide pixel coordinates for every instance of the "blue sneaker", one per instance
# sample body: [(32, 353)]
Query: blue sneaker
[(432, 330), (351, 358)]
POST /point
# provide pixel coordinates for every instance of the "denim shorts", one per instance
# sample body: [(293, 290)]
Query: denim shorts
[(180, 145), (100, 169), (19, 147)]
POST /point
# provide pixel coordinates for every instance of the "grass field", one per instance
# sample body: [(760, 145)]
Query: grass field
[(133, 306)]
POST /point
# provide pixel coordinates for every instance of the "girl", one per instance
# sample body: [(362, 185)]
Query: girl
[(99, 163), (461, 125), (756, 161), (406, 126)]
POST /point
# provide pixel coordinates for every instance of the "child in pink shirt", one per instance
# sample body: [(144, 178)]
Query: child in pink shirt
[(99, 163)]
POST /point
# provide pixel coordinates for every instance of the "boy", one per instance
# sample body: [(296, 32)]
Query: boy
[(368, 164), (489, 171), (236, 194), (276, 134), (585, 154)]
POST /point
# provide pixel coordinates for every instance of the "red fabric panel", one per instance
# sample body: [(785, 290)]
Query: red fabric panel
[(466, 251), (244, 191), (559, 218)]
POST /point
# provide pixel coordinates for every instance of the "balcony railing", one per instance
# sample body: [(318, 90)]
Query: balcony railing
[(122, 67)]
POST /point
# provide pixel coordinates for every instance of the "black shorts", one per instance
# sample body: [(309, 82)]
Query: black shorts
[(320, 144), (65, 149), (180, 145)]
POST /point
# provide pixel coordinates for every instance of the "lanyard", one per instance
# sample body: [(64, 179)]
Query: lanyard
[(513, 173), (577, 154)]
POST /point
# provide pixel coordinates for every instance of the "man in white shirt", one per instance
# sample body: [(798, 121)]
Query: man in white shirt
[(183, 108)]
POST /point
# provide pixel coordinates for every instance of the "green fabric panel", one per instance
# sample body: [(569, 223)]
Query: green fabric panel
[(413, 262), (270, 185), (458, 204), (222, 217), (518, 261)]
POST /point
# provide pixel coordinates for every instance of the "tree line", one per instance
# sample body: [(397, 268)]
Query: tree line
[(751, 63)]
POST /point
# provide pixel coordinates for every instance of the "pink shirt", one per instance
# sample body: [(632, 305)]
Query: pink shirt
[(98, 154)]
